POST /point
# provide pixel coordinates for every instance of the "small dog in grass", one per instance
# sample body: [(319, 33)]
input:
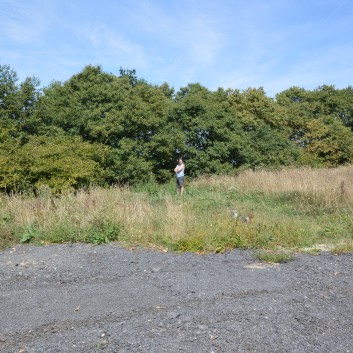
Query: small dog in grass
[(245, 219)]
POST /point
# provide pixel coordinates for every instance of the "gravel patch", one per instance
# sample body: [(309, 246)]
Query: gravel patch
[(83, 298)]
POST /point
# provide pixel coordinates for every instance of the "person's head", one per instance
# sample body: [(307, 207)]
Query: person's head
[(180, 160)]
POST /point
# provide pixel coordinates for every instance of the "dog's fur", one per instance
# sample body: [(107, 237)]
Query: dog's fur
[(236, 216)]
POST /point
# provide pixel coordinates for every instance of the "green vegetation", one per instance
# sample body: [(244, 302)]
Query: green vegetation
[(274, 256), (343, 248), (291, 209), (91, 160), (101, 129)]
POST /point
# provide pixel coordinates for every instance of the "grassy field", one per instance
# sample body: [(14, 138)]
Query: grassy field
[(291, 209)]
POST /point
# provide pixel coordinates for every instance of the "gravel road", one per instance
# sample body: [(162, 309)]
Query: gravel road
[(83, 298)]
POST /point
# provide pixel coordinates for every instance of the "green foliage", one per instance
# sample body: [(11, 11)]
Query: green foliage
[(343, 249), (8, 91), (227, 130), (103, 233), (327, 143), (193, 244), (320, 123), (17, 103), (137, 130), (7, 233), (29, 235), (121, 112), (61, 163), (200, 221), (273, 256)]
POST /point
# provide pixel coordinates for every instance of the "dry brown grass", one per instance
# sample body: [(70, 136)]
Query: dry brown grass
[(201, 218), (332, 185), (141, 218)]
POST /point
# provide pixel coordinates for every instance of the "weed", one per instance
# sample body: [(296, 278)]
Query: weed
[(312, 251), (273, 256), (343, 249), (193, 244), (103, 234), (101, 344), (7, 237), (293, 208), (7, 233), (6, 218), (63, 232), (29, 235)]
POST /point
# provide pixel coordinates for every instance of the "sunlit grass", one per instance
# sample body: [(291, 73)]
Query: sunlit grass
[(290, 208), (273, 256)]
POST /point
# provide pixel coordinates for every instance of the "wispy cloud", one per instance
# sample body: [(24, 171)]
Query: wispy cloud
[(329, 65), (111, 46), (228, 43), (191, 39), (25, 22)]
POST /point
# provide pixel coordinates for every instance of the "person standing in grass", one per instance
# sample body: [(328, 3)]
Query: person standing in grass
[(179, 172)]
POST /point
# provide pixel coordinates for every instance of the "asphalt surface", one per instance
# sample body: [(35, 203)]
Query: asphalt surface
[(82, 298)]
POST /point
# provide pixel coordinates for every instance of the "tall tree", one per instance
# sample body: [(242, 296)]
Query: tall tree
[(122, 112), (17, 103), (60, 163), (317, 119)]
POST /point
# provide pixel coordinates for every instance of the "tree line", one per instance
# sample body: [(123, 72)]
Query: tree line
[(104, 129)]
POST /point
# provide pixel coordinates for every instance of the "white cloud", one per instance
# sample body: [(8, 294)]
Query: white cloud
[(25, 22), (190, 38), (228, 43), (328, 65), (110, 46)]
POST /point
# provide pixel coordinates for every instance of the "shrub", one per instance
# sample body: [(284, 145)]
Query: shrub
[(273, 256)]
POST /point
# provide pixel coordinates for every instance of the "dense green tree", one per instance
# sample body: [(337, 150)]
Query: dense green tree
[(254, 106), (122, 112), (8, 90), (323, 101), (327, 143), (344, 106), (17, 102), (316, 120), (100, 128), (264, 135), (200, 117), (61, 163), (226, 129)]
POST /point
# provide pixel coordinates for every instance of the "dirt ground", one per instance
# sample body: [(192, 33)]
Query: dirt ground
[(83, 298)]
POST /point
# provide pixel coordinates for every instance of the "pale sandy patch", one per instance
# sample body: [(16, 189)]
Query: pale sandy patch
[(261, 265), (320, 247)]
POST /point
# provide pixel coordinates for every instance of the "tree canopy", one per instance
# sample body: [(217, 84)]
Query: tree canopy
[(101, 128)]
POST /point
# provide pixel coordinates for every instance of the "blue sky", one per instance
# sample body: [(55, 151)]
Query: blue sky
[(275, 44)]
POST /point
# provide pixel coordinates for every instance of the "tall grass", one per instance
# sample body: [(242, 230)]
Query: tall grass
[(329, 186), (292, 208)]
